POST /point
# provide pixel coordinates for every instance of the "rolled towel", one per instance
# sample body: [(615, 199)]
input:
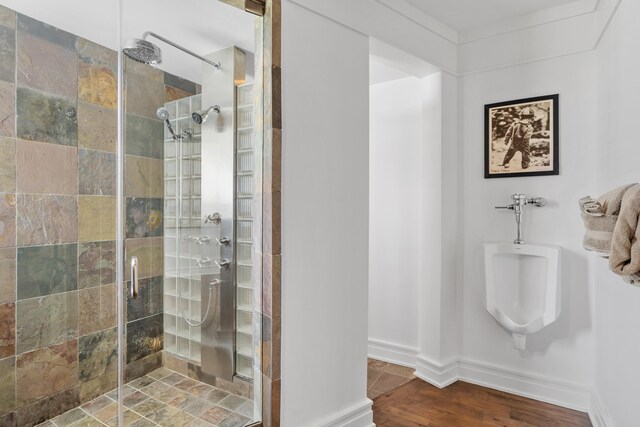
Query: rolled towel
[(590, 206), (624, 258), (599, 227)]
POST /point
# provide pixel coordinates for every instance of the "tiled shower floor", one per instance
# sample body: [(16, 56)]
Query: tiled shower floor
[(164, 398)]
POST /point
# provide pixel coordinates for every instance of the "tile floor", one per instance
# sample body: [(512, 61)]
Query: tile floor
[(383, 377), (163, 398)]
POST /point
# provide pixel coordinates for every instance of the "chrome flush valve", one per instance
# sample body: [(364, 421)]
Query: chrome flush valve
[(519, 201)]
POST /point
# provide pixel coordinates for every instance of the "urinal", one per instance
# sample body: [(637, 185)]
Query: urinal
[(522, 287)]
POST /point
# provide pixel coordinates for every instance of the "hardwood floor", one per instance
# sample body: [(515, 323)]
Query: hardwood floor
[(418, 403)]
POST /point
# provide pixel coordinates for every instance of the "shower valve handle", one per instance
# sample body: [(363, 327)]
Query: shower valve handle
[(223, 264), (223, 241)]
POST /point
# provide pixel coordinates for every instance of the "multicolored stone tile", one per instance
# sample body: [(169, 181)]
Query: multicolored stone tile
[(70, 417), (96, 264), (7, 165), (96, 218), (96, 172), (7, 53), (144, 95), (143, 70), (144, 177), (45, 31), (144, 337), (46, 66), (106, 413), (44, 219), (149, 252), (47, 407), (7, 17), (7, 330), (97, 354), (184, 85), (46, 371), (97, 308), (7, 220), (97, 127), (46, 118), (149, 301), (97, 386), (144, 217), (144, 136), (180, 419), (97, 84), (172, 94), (98, 404), (45, 321), (143, 366), (7, 385), (46, 270), (93, 53), (7, 275), (7, 109), (234, 420), (46, 168), (216, 415)]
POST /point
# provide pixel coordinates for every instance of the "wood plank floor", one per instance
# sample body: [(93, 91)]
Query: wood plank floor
[(418, 403)]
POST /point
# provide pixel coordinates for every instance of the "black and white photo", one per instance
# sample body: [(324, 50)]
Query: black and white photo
[(521, 137)]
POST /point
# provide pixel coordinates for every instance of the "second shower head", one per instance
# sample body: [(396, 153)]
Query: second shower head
[(201, 116)]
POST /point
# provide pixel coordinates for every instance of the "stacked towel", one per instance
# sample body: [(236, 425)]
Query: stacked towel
[(624, 258), (600, 217), (612, 229)]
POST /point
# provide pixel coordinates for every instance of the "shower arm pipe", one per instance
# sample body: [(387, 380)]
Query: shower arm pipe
[(215, 65)]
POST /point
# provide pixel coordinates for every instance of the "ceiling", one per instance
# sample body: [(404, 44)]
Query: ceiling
[(464, 15)]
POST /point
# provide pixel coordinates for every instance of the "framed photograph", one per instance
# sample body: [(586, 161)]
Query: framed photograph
[(521, 137)]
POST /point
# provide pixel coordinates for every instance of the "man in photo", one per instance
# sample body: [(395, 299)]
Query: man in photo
[(519, 135)]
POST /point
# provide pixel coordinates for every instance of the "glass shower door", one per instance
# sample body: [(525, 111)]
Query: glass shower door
[(189, 335)]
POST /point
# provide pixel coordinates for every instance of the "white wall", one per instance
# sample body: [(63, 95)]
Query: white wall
[(618, 149), (325, 221), (562, 352), (395, 193)]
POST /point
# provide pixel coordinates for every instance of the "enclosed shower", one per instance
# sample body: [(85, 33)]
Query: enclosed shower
[(130, 221)]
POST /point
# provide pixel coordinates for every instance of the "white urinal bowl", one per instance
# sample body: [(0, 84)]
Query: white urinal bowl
[(522, 287)]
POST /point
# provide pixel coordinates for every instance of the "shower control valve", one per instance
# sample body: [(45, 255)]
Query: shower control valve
[(202, 240), (203, 261), (223, 264), (215, 218), (223, 241)]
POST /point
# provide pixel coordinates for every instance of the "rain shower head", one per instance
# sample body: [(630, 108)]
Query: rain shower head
[(201, 116), (148, 53), (142, 51)]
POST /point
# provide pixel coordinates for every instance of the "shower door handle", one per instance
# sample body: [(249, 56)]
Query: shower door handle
[(134, 277)]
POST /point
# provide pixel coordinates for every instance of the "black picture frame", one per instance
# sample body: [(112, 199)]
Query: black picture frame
[(510, 120)]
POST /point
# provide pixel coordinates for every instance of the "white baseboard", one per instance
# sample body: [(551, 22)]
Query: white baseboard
[(359, 415), (597, 414), (536, 387), (565, 394), (393, 353), (439, 375)]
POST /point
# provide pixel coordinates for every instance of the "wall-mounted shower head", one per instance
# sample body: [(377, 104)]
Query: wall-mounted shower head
[(142, 51), (201, 116), (163, 113), (148, 53)]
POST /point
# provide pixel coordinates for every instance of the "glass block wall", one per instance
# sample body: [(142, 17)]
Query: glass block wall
[(244, 229), (183, 257)]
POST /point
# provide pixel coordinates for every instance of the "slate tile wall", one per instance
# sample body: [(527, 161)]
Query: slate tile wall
[(58, 137)]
